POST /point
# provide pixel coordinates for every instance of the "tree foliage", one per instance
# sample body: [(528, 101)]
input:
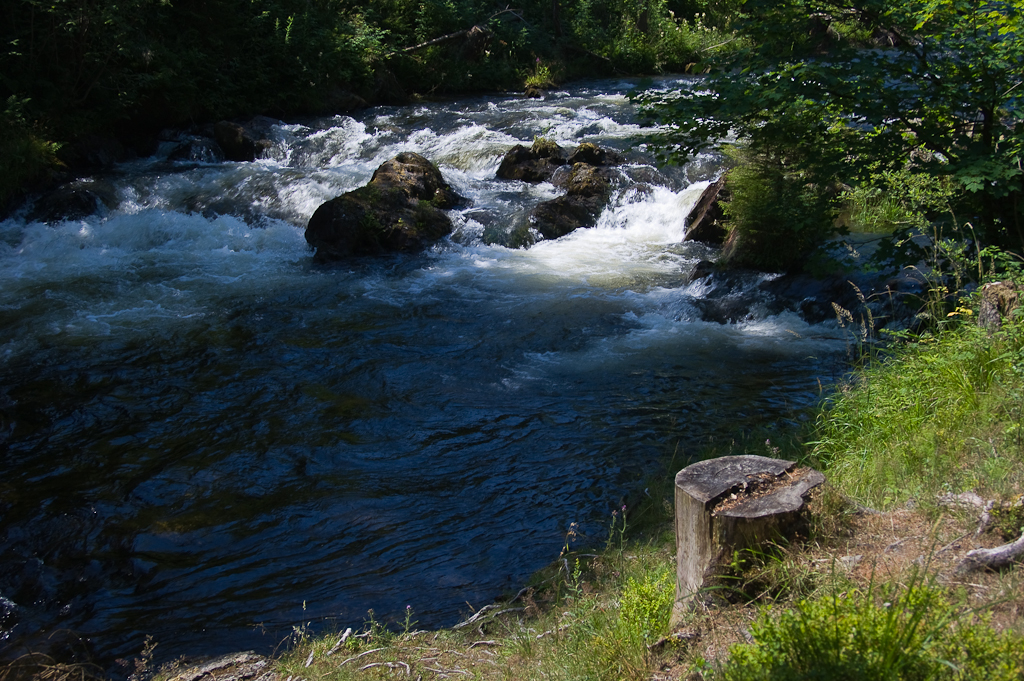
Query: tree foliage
[(856, 88)]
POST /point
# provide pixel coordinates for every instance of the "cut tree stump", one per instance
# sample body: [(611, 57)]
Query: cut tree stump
[(729, 504)]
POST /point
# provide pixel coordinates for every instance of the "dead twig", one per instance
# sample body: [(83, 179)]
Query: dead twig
[(373, 650), (389, 665), (476, 616)]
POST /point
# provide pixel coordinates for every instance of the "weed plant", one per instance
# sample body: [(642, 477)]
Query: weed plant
[(886, 632)]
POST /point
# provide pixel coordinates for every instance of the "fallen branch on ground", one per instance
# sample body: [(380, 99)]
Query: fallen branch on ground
[(389, 665), (374, 650), (479, 613), (340, 643), (992, 559)]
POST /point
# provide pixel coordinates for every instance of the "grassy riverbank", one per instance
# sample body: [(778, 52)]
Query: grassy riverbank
[(868, 594)]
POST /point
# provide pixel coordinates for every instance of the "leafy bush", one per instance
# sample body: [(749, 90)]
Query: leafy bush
[(777, 214), (891, 635), (25, 157), (900, 200)]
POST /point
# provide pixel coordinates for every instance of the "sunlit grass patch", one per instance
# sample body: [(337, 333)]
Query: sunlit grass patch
[(929, 417)]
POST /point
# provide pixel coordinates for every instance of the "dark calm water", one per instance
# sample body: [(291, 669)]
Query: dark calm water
[(210, 439)]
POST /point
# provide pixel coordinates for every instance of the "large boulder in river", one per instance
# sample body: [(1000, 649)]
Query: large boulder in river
[(594, 155), (238, 142), (399, 210), (536, 164), (588, 189)]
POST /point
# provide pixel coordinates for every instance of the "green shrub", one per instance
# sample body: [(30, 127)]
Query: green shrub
[(776, 216), (892, 635), (899, 200), (25, 157)]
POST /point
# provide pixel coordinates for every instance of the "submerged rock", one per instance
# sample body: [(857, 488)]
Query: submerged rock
[(399, 210), (197, 149), (73, 201)]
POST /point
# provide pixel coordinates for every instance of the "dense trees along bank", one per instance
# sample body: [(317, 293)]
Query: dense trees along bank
[(76, 72), (920, 103)]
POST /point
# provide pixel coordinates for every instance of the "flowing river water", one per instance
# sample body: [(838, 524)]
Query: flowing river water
[(210, 439)]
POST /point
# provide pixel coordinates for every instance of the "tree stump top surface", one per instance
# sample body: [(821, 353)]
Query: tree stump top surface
[(730, 479)]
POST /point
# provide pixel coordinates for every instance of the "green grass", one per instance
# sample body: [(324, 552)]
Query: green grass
[(924, 418)]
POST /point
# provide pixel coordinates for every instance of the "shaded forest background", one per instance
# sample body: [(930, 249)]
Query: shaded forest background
[(75, 73)]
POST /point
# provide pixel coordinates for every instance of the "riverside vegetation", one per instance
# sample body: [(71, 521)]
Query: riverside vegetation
[(87, 83), (837, 114)]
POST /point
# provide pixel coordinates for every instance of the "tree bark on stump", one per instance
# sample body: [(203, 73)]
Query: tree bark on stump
[(998, 301), (730, 504)]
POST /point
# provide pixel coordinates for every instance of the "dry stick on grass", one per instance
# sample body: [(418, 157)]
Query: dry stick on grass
[(389, 665), (449, 671), (992, 559), (374, 650), (340, 643), (479, 613)]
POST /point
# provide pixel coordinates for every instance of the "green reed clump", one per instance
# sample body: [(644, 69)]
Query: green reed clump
[(893, 633), (942, 414)]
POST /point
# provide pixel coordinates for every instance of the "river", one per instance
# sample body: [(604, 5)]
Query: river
[(210, 439)]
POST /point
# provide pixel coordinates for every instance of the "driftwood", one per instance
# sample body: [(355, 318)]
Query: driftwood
[(704, 222), (729, 504), (340, 643), (992, 559), (233, 667), (970, 500)]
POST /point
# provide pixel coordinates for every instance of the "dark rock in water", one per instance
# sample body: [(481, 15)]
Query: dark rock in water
[(238, 143), (514, 233), (585, 180), (73, 201), (536, 164), (565, 214), (587, 191), (400, 210), (534, 92), (198, 150), (704, 268), (704, 223), (588, 187), (594, 155)]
